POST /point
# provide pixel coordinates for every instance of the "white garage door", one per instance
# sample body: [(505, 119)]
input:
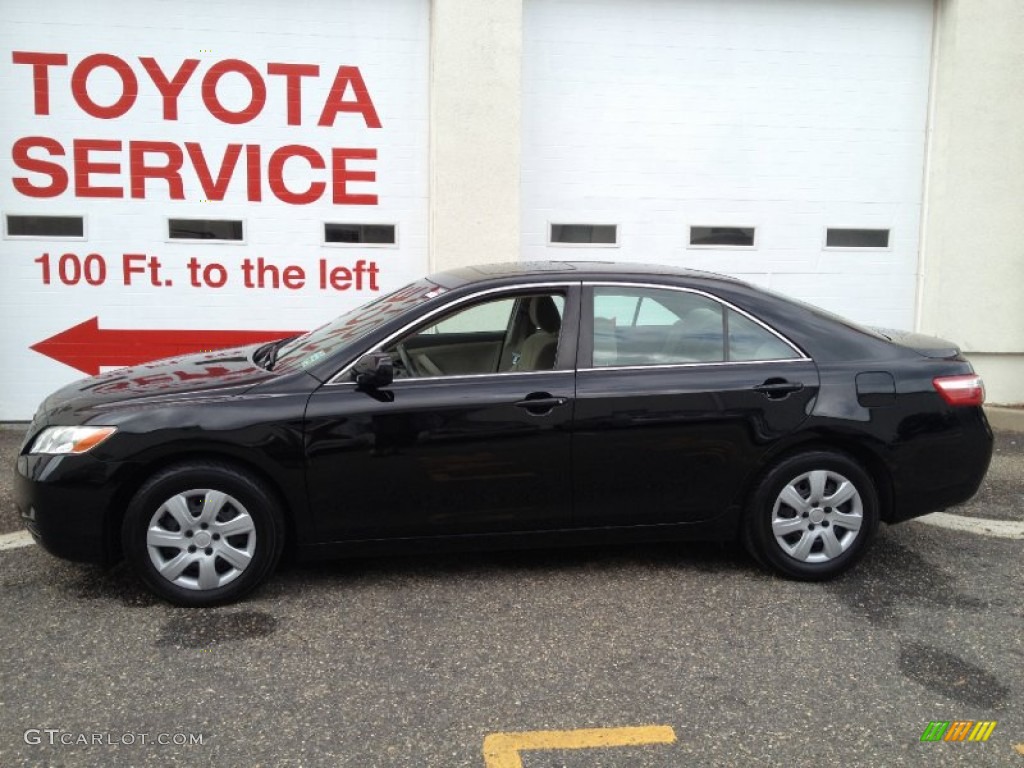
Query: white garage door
[(179, 176), (780, 141)]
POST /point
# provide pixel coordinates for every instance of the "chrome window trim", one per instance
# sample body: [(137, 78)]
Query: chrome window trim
[(693, 365), (455, 376), (333, 381), (662, 287)]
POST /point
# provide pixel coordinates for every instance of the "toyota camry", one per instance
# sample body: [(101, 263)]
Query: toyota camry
[(514, 405)]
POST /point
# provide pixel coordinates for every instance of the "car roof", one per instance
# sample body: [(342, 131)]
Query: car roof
[(576, 270)]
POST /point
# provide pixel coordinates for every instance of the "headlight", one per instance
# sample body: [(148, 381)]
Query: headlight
[(70, 439)]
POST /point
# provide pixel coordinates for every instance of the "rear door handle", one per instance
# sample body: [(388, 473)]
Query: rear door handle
[(541, 403), (776, 389)]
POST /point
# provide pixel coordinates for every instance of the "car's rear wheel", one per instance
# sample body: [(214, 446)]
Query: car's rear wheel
[(813, 515), (203, 534)]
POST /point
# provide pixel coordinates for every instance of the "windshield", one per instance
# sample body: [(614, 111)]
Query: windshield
[(310, 348)]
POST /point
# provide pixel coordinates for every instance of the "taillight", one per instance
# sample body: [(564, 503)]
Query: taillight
[(961, 390)]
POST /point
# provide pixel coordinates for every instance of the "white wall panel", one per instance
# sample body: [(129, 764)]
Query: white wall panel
[(386, 42), (790, 116)]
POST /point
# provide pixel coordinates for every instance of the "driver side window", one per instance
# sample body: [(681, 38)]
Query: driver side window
[(506, 334)]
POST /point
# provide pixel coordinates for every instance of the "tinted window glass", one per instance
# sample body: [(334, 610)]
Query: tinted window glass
[(650, 312), (499, 335), (648, 326), (310, 348), (749, 341), (488, 317)]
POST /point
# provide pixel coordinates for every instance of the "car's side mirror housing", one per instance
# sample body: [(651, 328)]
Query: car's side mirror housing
[(373, 371)]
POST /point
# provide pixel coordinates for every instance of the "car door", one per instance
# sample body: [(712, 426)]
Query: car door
[(678, 396), (451, 452)]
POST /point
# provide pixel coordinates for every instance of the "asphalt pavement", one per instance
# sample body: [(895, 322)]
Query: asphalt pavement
[(416, 661)]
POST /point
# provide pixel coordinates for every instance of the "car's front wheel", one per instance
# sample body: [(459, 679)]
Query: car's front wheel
[(203, 534), (812, 515)]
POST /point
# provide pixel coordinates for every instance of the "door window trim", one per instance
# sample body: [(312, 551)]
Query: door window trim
[(570, 327), (585, 345)]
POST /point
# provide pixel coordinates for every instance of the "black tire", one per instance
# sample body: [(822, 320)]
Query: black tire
[(186, 507), (791, 527)]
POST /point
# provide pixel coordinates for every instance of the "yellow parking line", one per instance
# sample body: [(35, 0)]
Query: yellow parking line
[(501, 750)]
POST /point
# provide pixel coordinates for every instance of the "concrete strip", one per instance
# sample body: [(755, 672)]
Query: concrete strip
[(16, 540), (1010, 419), (1003, 529)]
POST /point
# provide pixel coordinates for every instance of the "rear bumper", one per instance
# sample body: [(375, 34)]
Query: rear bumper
[(943, 470), (64, 503)]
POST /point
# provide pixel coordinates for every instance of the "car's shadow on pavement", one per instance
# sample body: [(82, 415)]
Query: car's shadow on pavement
[(117, 582), (891, 577), (696, 557)]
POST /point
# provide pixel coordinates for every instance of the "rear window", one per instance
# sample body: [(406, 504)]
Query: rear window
[(824, 313)]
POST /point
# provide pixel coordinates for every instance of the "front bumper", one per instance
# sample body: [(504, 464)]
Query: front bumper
[(65, 502)]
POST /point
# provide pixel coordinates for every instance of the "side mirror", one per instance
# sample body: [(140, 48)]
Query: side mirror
[(373, 371)]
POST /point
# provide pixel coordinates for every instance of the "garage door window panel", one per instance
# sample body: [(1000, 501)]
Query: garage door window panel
[(839, 238), (44, 227), (362, 235), (207, 230), (722, 237), (509, 334), (584, 234)]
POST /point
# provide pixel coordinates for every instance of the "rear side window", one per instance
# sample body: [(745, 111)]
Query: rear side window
[(651, 326), (750, 341)]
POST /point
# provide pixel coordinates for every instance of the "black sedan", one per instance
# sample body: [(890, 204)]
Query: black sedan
[(508, 406)]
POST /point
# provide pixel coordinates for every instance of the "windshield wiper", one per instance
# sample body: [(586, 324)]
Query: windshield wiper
[(262, 355), (266, 356)]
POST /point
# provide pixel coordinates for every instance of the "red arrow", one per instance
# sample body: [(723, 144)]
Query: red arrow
[(86, 346)]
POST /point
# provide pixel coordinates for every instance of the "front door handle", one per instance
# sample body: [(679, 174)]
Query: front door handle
[(541, 403), (776, 389)]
